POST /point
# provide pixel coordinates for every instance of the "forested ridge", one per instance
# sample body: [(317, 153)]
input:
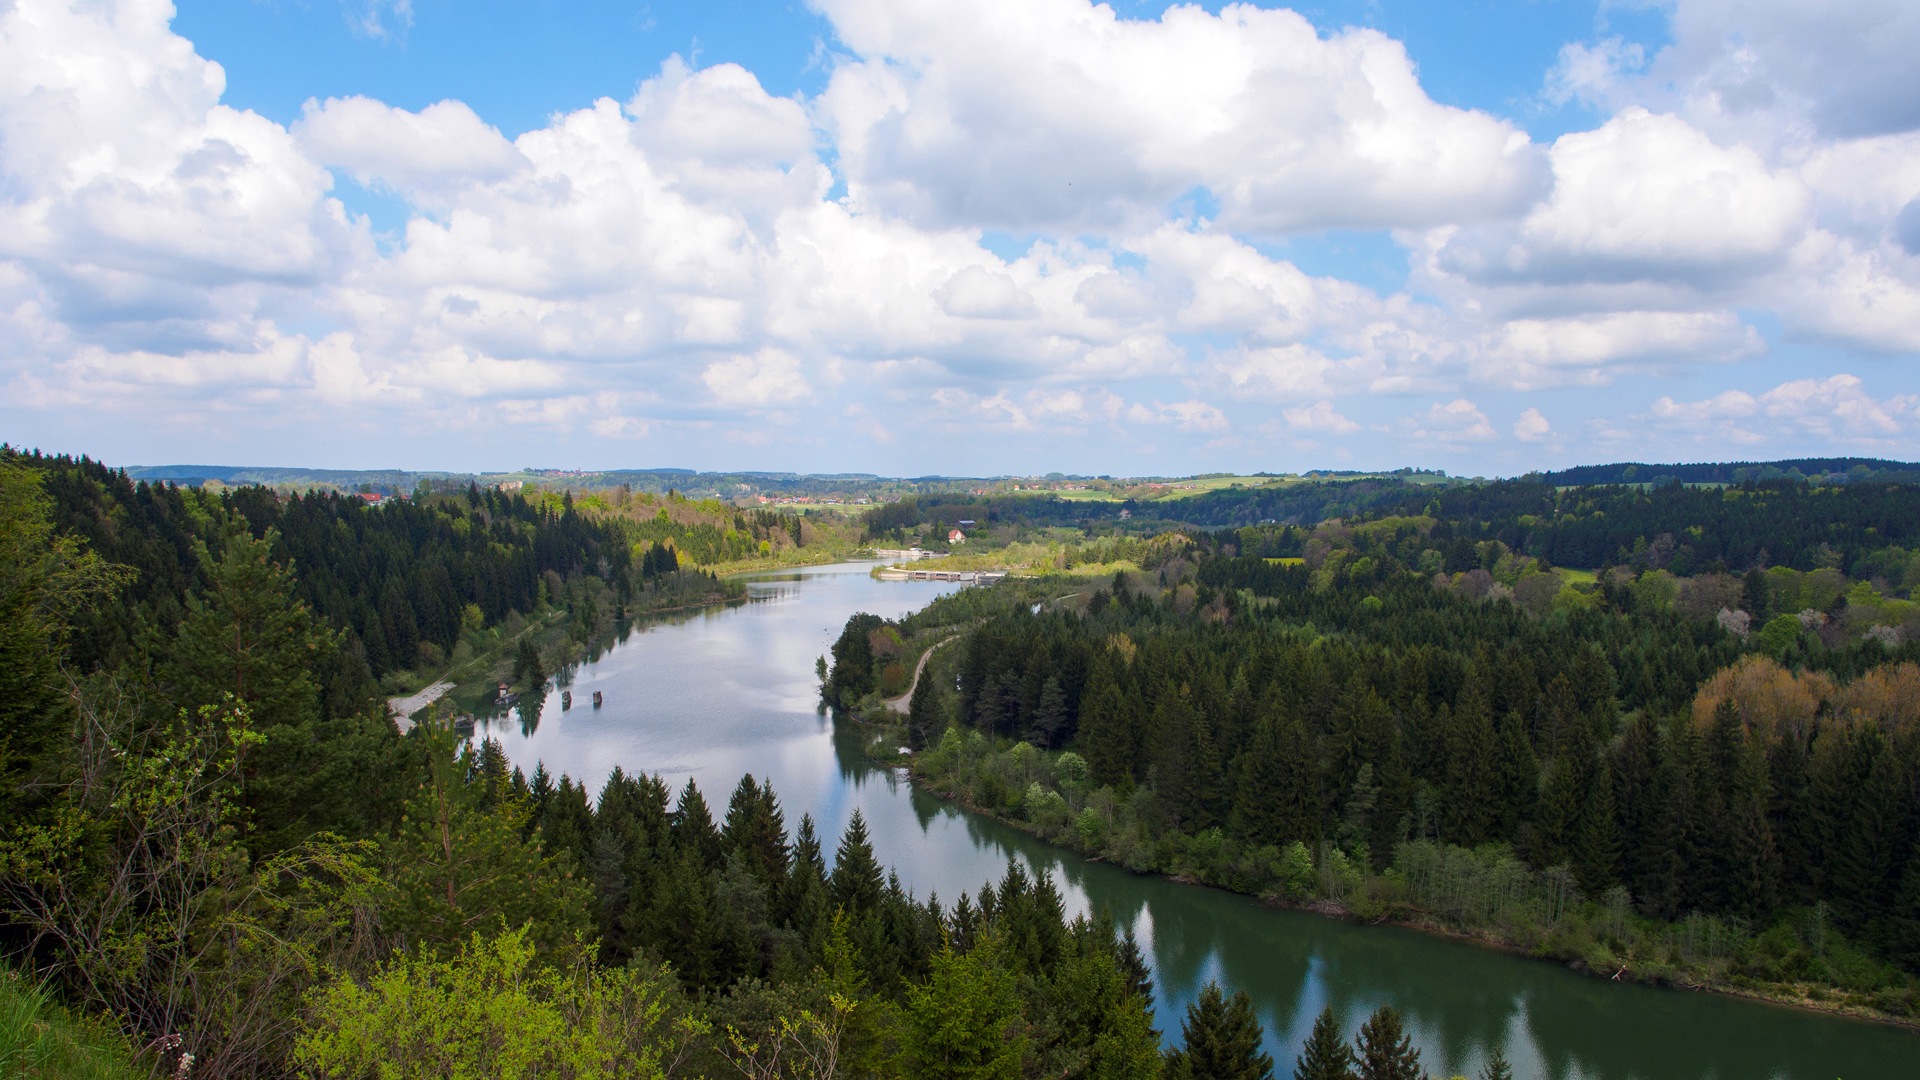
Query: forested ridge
[(1711, 778)]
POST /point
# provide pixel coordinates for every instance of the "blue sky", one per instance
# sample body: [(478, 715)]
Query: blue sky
[(1009, 236)]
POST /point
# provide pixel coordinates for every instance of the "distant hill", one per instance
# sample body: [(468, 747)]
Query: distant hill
[(1735, 472)]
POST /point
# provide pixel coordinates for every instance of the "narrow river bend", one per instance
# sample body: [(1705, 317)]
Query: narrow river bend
[(725, 692)]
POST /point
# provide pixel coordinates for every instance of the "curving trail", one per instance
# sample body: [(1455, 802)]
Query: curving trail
[(904, 701)]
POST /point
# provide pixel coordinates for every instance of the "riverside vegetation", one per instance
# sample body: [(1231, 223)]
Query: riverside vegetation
[(1662, 766), (218, 856)]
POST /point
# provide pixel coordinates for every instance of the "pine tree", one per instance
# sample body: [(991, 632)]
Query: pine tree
[(46, 581), (1468, 810), (1326, 1055), (962, 1021), (1385, 1050), (1752, 864), (249, 636), (756, 831), (925, 719), (1563, 800), (856, 883), (1496, 1067), (456, 866), (1139, 978), (1597, 855), (1517, 773), (528, 673), (1105, 737), (1221, 1039), (692, 826), (1050, 714)]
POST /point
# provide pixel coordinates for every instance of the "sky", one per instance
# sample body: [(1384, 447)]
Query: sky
[(969, 238)]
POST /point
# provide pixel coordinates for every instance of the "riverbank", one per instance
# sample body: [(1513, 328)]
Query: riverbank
[(561, 635), (1601, 938)]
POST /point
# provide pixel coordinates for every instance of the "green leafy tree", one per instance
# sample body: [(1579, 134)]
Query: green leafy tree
[(488, 1010), (963, 1022), (147, 906)]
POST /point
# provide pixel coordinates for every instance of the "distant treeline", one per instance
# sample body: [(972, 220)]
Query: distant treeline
[(1845, 469), (1684, 530)]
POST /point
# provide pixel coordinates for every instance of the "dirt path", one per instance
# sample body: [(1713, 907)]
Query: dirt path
[(901, 703)]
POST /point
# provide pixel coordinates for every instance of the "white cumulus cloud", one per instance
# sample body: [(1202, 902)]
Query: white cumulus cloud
[(1049, 113)]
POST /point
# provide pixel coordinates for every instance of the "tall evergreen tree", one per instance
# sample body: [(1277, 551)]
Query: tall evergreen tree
[(1326, 1055), (1385, 1051), (1469, 812), (856, 883), (1516, 773), (1220, 1039), (1597, 855)]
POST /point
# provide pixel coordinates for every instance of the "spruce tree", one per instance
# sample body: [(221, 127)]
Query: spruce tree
[(1139, 979), (1326, 1055), (692, 826), (1597, 855), (1385, 1050), (1257, 815), (856, 883), (456, 866), (1465, 798), (1104, 738), (1496, 1067), (1517, 773), (1050, 714), (1221, 1039)]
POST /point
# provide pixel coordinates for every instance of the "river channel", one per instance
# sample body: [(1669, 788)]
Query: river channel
[(729, 691)]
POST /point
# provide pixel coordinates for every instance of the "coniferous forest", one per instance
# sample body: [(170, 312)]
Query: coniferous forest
[(1680, 762)]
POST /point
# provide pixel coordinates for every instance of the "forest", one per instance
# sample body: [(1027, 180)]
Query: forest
[(1685, 765), (219, 856)]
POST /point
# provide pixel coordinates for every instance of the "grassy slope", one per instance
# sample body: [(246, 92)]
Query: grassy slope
[(39, 1038)]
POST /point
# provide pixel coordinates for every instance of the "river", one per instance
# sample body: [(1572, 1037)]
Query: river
[(722, 692)]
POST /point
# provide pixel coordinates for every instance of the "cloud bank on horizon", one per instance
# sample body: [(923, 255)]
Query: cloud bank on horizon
[(1004, 236)]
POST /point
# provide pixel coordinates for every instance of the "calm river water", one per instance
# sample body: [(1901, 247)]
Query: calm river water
[(730, 691)]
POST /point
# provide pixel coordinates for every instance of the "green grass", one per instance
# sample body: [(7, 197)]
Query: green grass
[(39, 1038)]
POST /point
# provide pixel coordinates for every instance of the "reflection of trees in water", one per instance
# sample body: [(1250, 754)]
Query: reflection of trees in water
[(529, 708), (1459, 999)]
